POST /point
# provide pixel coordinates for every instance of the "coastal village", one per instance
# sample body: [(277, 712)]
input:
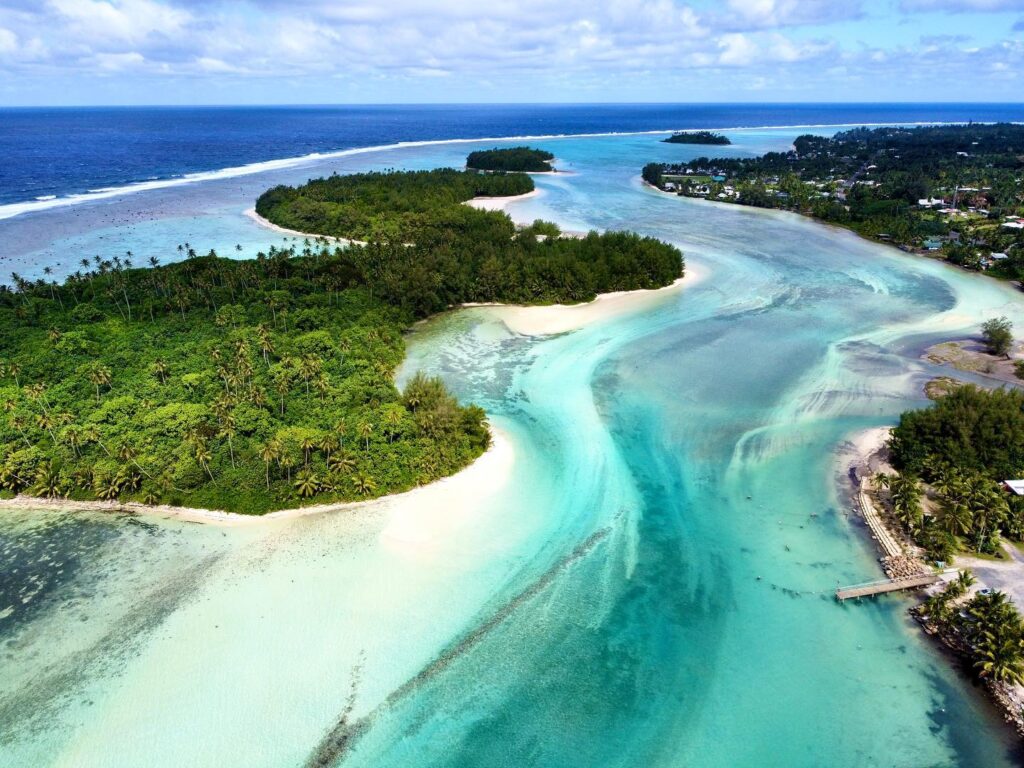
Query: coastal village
[(954, 194)]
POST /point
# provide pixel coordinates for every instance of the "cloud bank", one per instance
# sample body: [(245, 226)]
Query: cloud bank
[(464, 50)]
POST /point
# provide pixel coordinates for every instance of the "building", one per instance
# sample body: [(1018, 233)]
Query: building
[(1015, 487)]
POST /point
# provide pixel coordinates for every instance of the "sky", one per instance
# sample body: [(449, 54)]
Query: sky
[(112, 52)]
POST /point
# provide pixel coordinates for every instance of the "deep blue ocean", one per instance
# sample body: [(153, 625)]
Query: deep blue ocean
[(65, 151)]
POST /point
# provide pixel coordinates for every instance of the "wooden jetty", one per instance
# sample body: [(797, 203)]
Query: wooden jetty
[(890, 546), (886, 585)]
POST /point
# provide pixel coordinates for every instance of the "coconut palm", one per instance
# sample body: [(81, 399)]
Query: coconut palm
[(227, 430), (287, 462), (906, 500), (393, 419), (160, 370), (328, 443), (955, 517), (307, 445), (107, 488), (365, 429), (341, 462), (99, 375), (49, 483), (1000, 652), (203, 456), (364, 484), (307, 484), (269, 452)]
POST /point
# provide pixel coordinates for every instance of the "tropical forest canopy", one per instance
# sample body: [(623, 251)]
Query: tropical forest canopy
[(697, 137), (964, 447), (245, 386), (518, 159), (429, 252)]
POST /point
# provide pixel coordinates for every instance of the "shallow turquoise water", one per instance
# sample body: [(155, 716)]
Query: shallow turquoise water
[(651, 587)]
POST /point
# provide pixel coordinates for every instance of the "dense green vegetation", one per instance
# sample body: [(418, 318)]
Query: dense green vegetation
[(399, 206), (517, 159), (697, 137), (955, 191), (963, 447), (985, 627), (431, 252), (237, 385), (255, 385)]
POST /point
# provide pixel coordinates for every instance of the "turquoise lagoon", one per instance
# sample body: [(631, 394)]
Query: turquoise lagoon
[(647, 583)]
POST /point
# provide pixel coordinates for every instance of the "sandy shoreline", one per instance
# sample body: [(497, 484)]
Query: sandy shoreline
[(545, 320), (484, 203), (488, 472)]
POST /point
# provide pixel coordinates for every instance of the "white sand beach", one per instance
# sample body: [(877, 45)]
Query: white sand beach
[(559, 318), (500, 203)]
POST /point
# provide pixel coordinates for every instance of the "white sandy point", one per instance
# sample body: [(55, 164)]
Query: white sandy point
[(559, 318)]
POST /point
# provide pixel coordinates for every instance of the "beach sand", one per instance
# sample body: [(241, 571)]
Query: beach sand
[(560, 318), (500, 203)]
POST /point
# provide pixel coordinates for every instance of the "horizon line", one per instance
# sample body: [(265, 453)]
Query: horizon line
[(294, 105)]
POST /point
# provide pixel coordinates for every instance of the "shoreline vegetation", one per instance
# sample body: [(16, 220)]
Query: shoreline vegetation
[(267, 384), (956, 600), (485, 475), (940, 483), (697, 137), (511, 160), (954, 192)]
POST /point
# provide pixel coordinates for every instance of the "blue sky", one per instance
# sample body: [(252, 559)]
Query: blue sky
[(368, 51)]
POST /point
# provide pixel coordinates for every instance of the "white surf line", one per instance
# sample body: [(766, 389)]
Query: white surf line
[(11, 210)]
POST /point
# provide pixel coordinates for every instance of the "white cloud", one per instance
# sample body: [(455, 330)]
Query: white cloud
[(116, 62), (453, 44), (129, 21), (8, 41), (961, 6)]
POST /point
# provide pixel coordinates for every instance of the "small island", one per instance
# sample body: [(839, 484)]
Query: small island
[(512, 159), (697, 137), (950, 191), (252, 385)]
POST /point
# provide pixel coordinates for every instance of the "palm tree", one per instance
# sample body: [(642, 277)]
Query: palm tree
[(906, 500), (364, 484), (287, 462), (955, 517), (327, 444), (307, 445), (365, 429), (227, 429), (49, 483), (203, 456), (107, 488), (307, 484), (99, 375), (160, 370), (393, 418), (341, 462), (268, 453), (1000, 651)]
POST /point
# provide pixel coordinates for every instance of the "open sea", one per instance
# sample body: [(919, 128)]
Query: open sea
[(650, 585)]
